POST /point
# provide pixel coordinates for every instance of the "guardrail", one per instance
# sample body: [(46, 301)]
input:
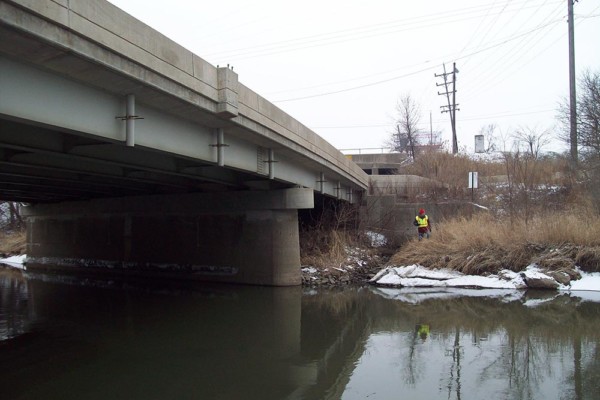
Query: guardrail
[(368, 150)]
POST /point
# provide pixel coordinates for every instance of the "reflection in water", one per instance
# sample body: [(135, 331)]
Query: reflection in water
[(14, 310), (517, 346), (66, 338)]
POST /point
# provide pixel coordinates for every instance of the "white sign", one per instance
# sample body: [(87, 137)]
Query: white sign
[(473, 180)]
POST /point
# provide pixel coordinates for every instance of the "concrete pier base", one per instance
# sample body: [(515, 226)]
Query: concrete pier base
[(237, 237)]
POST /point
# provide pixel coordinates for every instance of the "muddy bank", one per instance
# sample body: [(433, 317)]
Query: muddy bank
[(551, 269), (360, 267)]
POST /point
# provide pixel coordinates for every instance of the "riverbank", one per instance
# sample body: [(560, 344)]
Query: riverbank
[(364, 267), (556, 269), (335, 258), (438, 262), (12, 242), (552, 251)]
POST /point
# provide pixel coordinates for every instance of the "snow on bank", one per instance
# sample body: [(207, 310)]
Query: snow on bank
[(416, 276), (415, 280), (377, 239), (587, 282), (14, 261)]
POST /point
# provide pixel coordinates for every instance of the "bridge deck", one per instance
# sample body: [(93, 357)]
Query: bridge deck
[(66, 70)]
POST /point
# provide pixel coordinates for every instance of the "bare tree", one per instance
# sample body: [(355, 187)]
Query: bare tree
[(490, 137), (588, 133), (588, 117), (10, 216), (405, 136), (588, 114), (533, 140), (522, 165)]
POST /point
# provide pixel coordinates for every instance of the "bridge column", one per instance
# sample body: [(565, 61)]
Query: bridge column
[(239, 237)]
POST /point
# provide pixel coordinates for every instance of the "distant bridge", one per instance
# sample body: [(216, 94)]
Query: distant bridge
[(137, 156)]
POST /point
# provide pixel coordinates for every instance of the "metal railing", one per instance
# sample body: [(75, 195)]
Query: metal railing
[(368, 150)]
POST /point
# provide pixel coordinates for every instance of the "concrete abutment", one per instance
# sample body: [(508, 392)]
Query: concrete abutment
[(236, 237)]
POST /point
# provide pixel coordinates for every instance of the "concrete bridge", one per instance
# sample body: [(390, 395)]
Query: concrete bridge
[(136, 156)]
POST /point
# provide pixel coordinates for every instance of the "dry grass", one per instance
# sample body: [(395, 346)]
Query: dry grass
[(12, 242), (451, 169), (322, 248), (481, 245)]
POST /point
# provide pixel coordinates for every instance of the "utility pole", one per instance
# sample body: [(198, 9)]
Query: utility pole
[(572, 94), (430, 129), (451, 107)]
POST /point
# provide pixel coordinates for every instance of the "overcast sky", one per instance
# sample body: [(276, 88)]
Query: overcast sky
[(340, 67)]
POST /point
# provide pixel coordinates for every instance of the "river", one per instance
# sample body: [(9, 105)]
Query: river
[(80, 338)]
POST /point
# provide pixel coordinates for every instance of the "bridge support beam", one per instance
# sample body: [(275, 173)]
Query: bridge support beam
[(237, 237)]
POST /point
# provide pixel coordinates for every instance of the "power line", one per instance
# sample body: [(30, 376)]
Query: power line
[(508, 73), (491, 26), (503, 42), (348, 80), (438, 121), (476, 30), (355, 87), (511, 55), (350, 34), (520, 26)]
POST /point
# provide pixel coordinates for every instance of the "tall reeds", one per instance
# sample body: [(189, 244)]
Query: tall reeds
[(12, 242), (485, 244), (323, 248)]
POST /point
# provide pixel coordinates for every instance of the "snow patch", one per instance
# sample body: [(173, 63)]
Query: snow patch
[(413, 276), (588, 282), (377, 239), (14, 261)]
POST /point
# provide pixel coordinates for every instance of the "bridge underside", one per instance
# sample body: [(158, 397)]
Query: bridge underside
[(100, 206), (136, 156), (243, 237)]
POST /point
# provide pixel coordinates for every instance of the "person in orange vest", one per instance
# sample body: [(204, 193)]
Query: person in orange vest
[(423, 225)]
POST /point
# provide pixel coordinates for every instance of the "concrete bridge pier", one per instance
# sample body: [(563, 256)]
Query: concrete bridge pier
[(238, 237)]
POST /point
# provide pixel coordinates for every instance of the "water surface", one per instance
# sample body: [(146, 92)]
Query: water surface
[(73, 338)]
